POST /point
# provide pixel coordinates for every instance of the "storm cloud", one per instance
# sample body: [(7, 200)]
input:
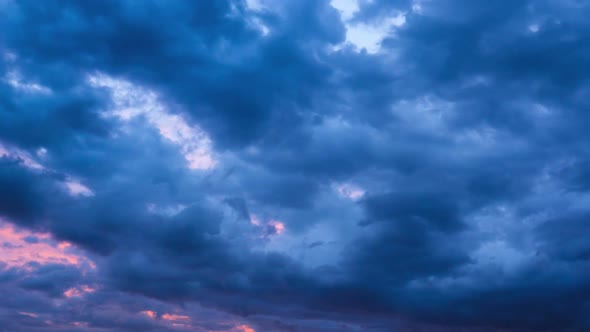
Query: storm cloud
[(299, 165)]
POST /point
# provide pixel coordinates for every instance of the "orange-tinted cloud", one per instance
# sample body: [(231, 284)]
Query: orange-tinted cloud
[(244, 328), (149, 313), (177, 320), (278, 226)]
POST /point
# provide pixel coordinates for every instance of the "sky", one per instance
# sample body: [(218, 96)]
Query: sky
[(294, 165)]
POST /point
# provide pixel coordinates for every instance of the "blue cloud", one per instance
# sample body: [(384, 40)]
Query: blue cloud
[(236, 165)]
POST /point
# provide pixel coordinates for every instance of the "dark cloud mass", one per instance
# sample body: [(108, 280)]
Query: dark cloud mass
[(299, 165)]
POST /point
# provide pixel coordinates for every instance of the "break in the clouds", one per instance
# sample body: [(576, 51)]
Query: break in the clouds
[(297, 165)]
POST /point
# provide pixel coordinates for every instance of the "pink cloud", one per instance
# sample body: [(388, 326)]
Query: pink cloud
[(22, 247), (278, 226), (29, 314), (149, 313), (269, 226), (174, 317), (177, 320), (244, 328), (79, 291)]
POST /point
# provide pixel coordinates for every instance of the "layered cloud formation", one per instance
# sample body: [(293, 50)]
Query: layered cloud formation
[(300, 165)]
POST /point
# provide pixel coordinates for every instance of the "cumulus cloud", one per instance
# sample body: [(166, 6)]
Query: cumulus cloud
[(309, 165)]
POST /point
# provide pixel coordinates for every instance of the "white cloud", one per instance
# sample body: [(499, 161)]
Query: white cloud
[(349, 191), (75, 188), (15, 153), (347, 8), (256, 5), (367, 36), (132, 101), (14, 79)]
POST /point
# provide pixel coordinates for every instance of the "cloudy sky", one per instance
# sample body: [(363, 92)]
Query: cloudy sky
[(294, 165)]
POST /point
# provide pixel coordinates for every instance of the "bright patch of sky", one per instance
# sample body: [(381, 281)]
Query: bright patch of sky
[(131, 101), (349, 191), (367, 36)]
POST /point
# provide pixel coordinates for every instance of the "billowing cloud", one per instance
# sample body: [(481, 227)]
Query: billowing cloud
[(309, 165)]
